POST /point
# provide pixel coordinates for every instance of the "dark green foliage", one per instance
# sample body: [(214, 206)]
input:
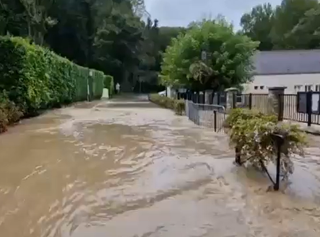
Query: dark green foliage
[(107, 35), (9, 112), (293, 24), (177, 105), (36, 78)]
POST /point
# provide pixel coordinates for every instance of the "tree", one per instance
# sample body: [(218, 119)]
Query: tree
[(306, 34), (229, 61), (12, 18), (286, 17), (166, 34), (38, 21), (258, 25), (118, 41), (109, 35)]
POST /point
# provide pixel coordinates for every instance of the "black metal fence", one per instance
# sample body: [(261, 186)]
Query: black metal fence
[(207, 115), (301, 107)]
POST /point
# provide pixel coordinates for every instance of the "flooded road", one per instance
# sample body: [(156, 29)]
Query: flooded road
[(126, 168)]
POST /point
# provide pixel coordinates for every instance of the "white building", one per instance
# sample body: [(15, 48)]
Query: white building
[(298, 70)]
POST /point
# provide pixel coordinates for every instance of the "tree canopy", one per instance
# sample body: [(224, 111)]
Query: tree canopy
[(291, 25), (228, 62), (120, 38), (109, 35)]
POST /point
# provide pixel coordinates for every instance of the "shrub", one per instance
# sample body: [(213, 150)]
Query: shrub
[(9, 112), (177, 105), (245, 114), (253, 134), (109, 84), (3, 121), (36, 78)]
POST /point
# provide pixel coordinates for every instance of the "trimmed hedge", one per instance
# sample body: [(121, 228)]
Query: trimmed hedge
[(35, 78), (109, 84), (177, 105)]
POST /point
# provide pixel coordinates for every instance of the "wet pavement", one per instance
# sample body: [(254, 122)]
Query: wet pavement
[(127, 168)]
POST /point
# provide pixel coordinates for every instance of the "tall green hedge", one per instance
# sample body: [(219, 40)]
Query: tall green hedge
[(98, 84), (35, 78), (109, 84)]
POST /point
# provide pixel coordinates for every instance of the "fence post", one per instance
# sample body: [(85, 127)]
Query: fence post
[(280, 109), (275, 101), (309, 107), (234, 100), (279, 141), (250, 101), (215, 120), (237, 156), (208, 97)]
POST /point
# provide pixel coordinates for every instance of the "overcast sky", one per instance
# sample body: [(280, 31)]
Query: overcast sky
[(182, 12)]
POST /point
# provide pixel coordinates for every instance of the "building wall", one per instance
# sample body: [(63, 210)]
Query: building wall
[(293, 82)]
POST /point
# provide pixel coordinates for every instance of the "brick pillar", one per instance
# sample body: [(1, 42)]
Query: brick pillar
[(276, 102), (231, 94)]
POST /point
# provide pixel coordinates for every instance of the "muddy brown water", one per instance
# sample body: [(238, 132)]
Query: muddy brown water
[(126, 168)]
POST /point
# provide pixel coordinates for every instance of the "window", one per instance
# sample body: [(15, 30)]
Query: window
[(297, 88), (261, 87), (308, 87), (256, 87)]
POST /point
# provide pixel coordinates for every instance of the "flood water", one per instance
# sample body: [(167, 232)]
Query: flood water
[(126, 168)]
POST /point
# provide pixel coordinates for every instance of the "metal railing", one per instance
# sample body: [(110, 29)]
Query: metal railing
[(203, 114), (289, 107), (206, 115)]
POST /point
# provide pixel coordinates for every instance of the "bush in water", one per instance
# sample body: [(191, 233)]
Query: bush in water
[(177, 105), (36, 78), (9, 112), (252, 133)]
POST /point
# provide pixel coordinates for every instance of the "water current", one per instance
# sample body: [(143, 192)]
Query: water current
[(127, 168)]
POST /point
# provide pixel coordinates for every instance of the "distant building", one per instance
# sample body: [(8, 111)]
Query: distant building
[(298, 70)]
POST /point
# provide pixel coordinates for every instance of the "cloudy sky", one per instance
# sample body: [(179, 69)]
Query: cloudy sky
[(182, 12)]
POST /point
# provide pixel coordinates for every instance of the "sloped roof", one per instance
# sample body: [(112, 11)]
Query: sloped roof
[(287, 62)]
